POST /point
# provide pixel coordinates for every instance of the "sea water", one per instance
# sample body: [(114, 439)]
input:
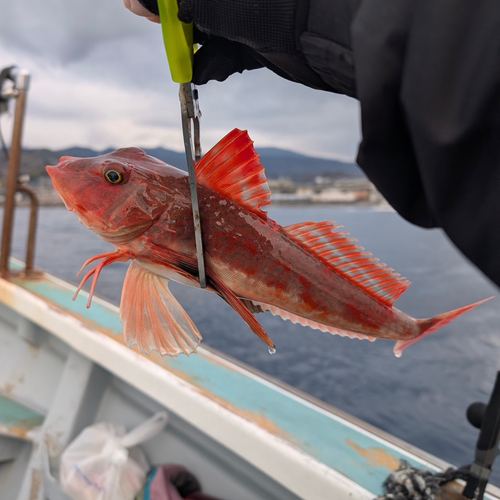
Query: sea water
[(420, 398)]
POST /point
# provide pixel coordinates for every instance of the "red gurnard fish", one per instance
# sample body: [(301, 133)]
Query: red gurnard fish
[(308, 273)]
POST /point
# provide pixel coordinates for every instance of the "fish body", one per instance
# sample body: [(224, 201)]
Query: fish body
[(260, 262), (309, 273)]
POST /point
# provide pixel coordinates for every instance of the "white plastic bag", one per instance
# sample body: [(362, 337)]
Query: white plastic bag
[(98, 464)]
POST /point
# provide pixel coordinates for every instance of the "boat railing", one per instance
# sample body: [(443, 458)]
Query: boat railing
[(19, 92)]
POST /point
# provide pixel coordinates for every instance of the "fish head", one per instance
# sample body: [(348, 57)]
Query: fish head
[(118, 195)]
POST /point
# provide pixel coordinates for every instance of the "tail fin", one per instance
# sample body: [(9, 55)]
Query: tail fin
[(431, 325)]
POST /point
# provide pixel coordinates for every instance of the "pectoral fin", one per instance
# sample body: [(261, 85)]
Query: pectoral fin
[(152, 318)]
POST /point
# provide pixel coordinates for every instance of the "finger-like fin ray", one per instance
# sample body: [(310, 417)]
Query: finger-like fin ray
[(107, 259)]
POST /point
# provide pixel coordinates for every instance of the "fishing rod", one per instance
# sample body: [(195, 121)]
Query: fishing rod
[(485, 417), (411, 483)]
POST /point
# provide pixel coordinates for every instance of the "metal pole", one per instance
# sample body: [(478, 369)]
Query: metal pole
[(13, 172), (30, 250)]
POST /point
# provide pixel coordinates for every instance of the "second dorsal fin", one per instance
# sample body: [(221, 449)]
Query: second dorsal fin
[(232, 167), (346, 258)]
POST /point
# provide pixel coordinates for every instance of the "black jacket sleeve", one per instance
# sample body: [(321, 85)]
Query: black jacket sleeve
[(428, 78)]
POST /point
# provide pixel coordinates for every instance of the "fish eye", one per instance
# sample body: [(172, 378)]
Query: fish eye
[(113, 176)]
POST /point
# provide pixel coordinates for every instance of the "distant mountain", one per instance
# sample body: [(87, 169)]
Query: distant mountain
[(277, 162), (282, 163)]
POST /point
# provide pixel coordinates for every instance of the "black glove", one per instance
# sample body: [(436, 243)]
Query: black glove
[(218, 58), (151, 5)]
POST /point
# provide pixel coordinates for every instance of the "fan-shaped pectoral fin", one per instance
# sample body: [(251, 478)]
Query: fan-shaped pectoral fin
[(152, 318)]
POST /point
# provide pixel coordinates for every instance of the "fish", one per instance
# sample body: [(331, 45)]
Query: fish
[(313, 273)]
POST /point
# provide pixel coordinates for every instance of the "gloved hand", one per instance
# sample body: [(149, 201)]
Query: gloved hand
[(137, 7), (217, 59)]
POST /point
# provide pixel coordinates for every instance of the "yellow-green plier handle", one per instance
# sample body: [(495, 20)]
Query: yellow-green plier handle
[(178, 39)]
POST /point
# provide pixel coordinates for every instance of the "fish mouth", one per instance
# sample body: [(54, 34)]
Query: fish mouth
[(54, 174), (125, 234)]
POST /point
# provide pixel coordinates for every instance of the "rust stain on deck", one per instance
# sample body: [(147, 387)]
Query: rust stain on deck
[(36, 484), (376, 456), (14, 431), (257, 418), (18, 431), (7, 388), (10, 386), (6, 292)]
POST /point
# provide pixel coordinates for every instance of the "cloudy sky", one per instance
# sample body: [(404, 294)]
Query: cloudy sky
[(100, 79)]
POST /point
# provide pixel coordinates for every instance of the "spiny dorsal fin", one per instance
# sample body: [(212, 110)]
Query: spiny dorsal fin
[(349, 260), (232, 167)]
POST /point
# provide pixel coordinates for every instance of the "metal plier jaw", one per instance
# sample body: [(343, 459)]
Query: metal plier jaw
[(190, 115)]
